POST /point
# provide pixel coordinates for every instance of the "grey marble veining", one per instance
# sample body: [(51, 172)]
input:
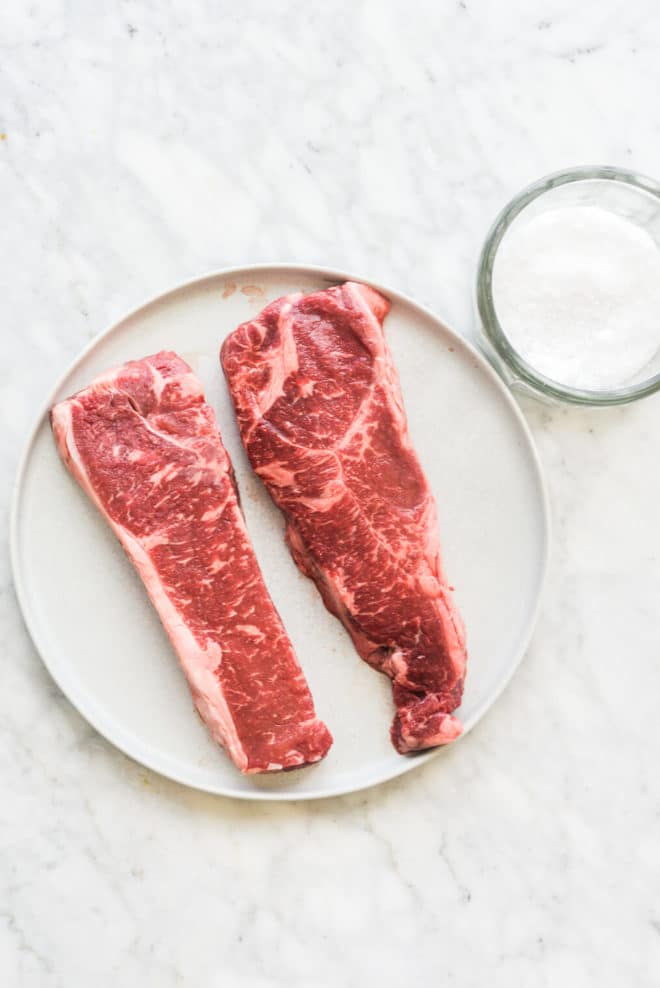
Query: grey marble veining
[(143, 143)]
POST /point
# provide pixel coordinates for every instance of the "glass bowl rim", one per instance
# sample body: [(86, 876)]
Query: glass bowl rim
[(522, 371)]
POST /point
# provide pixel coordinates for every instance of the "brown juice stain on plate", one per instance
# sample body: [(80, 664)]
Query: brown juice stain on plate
[(229, 289), (252, 291), (250, 490)]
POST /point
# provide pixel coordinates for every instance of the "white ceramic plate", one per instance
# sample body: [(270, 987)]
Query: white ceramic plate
[(102, 642)]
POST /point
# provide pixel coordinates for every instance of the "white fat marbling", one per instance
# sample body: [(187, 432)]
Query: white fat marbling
[(144, 142)]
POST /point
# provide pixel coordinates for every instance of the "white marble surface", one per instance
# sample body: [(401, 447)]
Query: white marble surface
[(146, 142)]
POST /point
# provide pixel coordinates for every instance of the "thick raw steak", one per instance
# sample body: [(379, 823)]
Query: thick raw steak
[(144, 445), (321, 415)]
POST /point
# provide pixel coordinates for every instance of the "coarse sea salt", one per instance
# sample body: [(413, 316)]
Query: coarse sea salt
[(577, 293)]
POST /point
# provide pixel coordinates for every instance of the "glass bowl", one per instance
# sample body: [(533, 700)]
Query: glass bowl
[(632, 196)]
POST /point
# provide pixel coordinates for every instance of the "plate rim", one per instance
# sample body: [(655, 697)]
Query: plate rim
[(332, 274)]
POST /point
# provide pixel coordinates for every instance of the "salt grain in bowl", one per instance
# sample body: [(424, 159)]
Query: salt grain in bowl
[(576, 290)]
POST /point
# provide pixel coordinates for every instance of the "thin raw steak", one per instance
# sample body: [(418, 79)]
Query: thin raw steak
[(321, 415), (144, 445)]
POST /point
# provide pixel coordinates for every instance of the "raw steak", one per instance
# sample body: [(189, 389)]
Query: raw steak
[(321, 415), (144, 445)]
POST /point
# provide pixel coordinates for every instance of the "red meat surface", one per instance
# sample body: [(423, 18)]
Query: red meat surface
[(144, 445), (321, 416)]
